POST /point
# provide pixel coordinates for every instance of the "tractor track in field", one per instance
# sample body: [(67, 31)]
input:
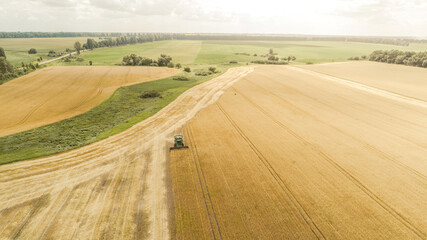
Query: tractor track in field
[(379, 152), (87, 98), (37, 107), (303, 213), (204, 187), (341, 169)]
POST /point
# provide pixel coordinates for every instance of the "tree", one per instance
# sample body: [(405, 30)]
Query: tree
[(2, 53), (32, 51), (164, 60), (5, 66), (146, 61), (78, 47), (32, 66), (90, 62), (91, 44)]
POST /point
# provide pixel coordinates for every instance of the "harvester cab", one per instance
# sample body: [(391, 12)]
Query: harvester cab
[(178, 143)]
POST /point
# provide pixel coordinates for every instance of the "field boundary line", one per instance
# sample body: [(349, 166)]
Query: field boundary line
[(309, 221)]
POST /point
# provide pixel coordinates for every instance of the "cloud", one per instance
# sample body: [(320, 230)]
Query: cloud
[(350, 17)]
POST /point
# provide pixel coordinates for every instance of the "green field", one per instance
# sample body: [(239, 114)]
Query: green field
[(16, 49), (183, 52), (222, 52), (304, 51)]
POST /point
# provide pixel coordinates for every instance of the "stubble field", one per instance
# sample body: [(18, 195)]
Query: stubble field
[(53, 94), (288, 153)]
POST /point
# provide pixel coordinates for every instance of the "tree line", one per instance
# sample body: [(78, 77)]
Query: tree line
[(56, 34), (163, 61), (123, 40), (416, 59), (188, 36)]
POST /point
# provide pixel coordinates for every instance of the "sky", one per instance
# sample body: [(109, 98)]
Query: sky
[(321, 17)]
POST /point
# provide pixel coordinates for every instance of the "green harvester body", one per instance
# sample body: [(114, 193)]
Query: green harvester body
[(178, 143)]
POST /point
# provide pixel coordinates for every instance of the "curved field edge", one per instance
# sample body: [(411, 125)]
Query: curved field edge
[(119, 112)]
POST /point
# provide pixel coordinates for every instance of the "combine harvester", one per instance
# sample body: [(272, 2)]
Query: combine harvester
[(179, 143)]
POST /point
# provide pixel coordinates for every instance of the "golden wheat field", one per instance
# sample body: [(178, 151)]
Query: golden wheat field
[(293, 153), (56, 93), (116, 188)]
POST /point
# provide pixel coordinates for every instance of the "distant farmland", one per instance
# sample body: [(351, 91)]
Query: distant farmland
[(222, 52)]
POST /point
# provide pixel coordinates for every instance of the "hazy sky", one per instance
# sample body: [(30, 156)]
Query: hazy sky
[(341, 17)]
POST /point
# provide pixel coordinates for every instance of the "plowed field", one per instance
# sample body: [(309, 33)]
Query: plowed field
[(56, 93), (288, 153)]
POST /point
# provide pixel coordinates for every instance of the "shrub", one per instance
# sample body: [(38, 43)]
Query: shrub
[(273, 58), (150, 94), (79, 59), (154, 64), (180, 78), (52, 53), (90, 62), (178, 65), (187, 69), (203, 73), (212, 69), (270, 62), (32, 51), (67, 59), (146, 61), (233, 62), (171, 65)]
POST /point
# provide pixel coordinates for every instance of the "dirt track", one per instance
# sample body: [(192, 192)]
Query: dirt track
[(288, 154), (112, 189), (56, 93)]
